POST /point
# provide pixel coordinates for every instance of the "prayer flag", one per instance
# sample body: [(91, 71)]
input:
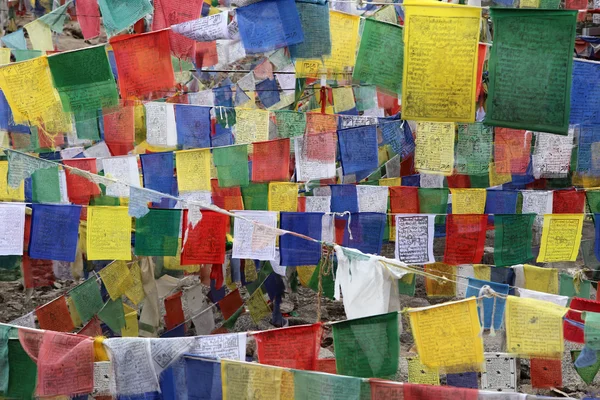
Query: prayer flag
[(513, 239), (314, 19), (232, 165), (295, 347), (465, 237), (473, 149), (193, 126), (271, 161), (545, 373), (167, 13), (174, 311), (358, 149), (87, 299), (55, 316), (434, 148), (493, 308), (119, 129), (561, 237), (296, 251), (54, 232), (118, 15), (193, 170), (108, 233), (88, 16), (205, 242), (157, 233)]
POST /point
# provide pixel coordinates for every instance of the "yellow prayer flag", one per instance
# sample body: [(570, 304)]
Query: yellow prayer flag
[(382, 155), (135, 292), (534, 327), (541, 279), (283, 196), (117, 279), (131, 328), (258, 306), (30, 93), (305, 272), (447, 335), (529, 4), (193, 170), (445, 285), (497, 179), (468, 201), (392, 230), (245, 381), (251, 126), (561, 237), (6, 192), (4, 56), (343, 99), (40, 35), (440, 86), (344, 41), (482, 272), (308, 68), (250, 272), (287, 385), (390, 181), (434, 148), (108, 233), (75, 317), (421, 374)]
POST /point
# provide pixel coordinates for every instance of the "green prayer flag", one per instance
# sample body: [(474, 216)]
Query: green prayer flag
[(310, 385), (256, 196), (232, 165), (157, 233), (591, 330), (327, 281), (263, 274), (380, 56), (230, 322), (433, 200), (513, 239), (22, 372), (24, 55), (407, 285), (480, 181), (290, 124), (367, 347), (10, 262), (586, 373), (473, 149), (550, 4), (593, 200), (570, 289), (366, 97), (118, 14), (112, 314), (365, 390), (530, 69), (4, 330), (86, 125), (87, 299), (45, 186), (55, 19), (84, 79)]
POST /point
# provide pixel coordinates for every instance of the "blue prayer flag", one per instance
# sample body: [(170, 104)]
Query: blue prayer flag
[(6, 118), (492, 307), (585, 93), (358, 149), (296, 251), (157, 170), (269, 25), (411, 180), (588, 162), (54, 232), (268, 92), (463, 380), (203, 378), (344, 198), (193, 126), (223, 95), (501, 202), (597, 242), (15, 40), (365, 232)]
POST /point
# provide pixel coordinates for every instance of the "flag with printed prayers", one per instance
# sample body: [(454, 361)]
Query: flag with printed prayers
[(293, 347), (54, 232)]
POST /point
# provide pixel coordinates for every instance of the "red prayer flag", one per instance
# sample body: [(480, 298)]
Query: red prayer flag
[(230, 304), (55, 316), (119, 129), (37, 273), (49, 141), (576, 4), (143, 64), (480, 60), (320, 123), (216, 273), (386, 390), (271, 160), (206, 54), (88, 16), (404, 199), (459, 181), (545, 373), (65, 365), (301, 204), (429, 392), (465, 237), (407, 165), (81, 189), (174, 311), (574, 333), (568, 201), (511, 150), (294, 347), (326, 365), (172, 12), (205, 243), (226, 198), (92, 328)]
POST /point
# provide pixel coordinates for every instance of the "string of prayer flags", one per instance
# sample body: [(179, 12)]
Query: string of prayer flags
[(232, 165), (54, 232), (143, 62), (513, 239), (440, 330), (434, 148), (414, 238), (12, 218), (271, 160), (296, 251), (193, 170), (358, 149), (87, 299), (84, 79), (534, 327), (465, 238), (493, 308), (561, 237), (514, 102), (294, 347), (373, 66), (251, 241), (108, 233), (55, 316), (205, 242), (454, 99), (314, 19), (157, 233), (116, 15), (367, 347)]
